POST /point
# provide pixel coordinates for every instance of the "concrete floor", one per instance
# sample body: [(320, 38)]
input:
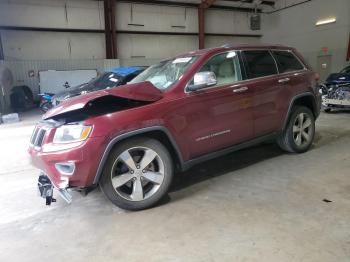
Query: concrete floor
[(258, 204)]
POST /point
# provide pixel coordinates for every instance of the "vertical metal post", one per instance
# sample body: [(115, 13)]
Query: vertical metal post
[(348, 54), (113, 29), (201, 27), (107, 29), (2, 55)]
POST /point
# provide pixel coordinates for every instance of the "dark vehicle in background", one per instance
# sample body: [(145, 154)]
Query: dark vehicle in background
[(336, 90), (114, 77), (21, 98)]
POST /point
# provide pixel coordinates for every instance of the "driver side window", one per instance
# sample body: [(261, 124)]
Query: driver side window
[(226, 68)]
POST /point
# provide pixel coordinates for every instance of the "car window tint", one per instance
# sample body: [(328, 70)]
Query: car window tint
[(259, 63), (286, 61), (225, 66)]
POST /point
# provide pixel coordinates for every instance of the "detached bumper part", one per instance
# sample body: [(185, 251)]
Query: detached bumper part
[(46, 187)]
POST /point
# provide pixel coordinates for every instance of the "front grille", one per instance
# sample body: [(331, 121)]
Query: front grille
[(38, 137)]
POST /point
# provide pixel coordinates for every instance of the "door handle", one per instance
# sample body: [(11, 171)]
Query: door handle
[(240, 90), (283, 80)]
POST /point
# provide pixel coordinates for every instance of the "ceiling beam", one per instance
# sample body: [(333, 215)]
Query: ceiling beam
[(186, 4), (206, 3), (263, 2)]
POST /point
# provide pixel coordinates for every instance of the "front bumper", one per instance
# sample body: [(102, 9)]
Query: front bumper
[(66, 168)]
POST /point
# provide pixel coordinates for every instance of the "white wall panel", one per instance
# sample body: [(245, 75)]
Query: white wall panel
[(154, 46), (27, 45), (156, 18), (85, 14), (52, 14), (24, 45), (295, 27), (228, 22), (87, 45), (213, 41)]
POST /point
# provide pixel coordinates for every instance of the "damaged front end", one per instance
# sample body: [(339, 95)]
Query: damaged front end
[(63, 145), (335, 96)]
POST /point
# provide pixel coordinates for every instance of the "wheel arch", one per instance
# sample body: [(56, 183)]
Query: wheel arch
[(159, 133), (305, 99)]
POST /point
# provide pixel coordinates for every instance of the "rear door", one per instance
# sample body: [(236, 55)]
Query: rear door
[(293, 79), (261, 76)]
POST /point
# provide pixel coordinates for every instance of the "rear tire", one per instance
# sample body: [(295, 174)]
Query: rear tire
[(137, 174), (299, 133), (327, 110)]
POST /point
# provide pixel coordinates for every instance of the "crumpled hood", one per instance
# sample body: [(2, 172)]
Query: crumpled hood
[(338, 78), (144, 91)]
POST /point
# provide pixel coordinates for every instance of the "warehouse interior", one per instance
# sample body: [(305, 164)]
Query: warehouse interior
[(256, 204)]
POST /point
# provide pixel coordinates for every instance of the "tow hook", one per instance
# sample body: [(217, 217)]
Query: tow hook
[(46, 189)]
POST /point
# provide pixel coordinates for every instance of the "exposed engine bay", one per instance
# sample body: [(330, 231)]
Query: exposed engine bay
[(335, 95)]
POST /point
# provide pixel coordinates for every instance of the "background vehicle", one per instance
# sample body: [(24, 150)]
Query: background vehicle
[(21, 98), (45, 101), (336, 90), (114, 77), (175, 114)]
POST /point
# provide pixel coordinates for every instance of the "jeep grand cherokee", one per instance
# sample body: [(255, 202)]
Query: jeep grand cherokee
[(196, 106)]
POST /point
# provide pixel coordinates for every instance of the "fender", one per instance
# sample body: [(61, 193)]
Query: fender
[(130, 134), (314, 105)]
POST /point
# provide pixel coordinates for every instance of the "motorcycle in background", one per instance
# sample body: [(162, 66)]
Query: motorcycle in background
[(45, 101)]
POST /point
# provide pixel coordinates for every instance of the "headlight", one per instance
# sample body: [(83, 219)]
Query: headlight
[(71, 133)]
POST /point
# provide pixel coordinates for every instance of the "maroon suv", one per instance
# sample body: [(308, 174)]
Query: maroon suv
[(129, 140)]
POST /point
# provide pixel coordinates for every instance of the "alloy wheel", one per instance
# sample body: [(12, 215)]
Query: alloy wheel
[(137, 173), (302, 129)]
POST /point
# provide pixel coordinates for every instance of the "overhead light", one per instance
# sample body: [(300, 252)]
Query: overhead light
[(326, 21)]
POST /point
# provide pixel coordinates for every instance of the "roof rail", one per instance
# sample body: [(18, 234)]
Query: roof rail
[(226, 46)]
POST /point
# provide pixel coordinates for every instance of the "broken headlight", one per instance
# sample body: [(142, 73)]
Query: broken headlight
[(72, 133)]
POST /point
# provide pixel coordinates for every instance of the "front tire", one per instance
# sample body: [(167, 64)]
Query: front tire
[(138, 174), (299, 132)]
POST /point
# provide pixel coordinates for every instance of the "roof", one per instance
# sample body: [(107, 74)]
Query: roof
[(124, 71), (235, 47)]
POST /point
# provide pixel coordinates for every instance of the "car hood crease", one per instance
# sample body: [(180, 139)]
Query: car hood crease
[(144, 91)]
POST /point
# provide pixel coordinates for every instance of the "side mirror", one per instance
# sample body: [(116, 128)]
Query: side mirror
[(202, 80)]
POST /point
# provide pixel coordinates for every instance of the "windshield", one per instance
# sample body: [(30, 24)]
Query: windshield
[(166, 73), (106, 80)]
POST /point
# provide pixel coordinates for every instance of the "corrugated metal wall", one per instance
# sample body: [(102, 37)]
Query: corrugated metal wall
[(26, 72)]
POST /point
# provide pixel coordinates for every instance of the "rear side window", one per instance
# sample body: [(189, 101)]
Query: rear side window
[(259, 64), (287, 61)]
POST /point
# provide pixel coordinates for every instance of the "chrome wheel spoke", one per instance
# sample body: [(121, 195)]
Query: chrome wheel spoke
[(128, 160), (301, 119), (296, 129), (137, 190), (298, 139), (154, 177), (148, 157), (307, 123), (305, 135), (120, 180)]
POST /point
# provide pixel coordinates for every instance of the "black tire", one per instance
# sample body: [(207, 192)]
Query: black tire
[(287, 141), (327, 110), (108, 172)]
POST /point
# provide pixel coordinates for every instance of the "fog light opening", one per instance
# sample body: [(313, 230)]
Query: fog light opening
[(65, 168)]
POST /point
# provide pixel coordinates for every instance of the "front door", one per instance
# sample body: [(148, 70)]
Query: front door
[(219, 116)]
